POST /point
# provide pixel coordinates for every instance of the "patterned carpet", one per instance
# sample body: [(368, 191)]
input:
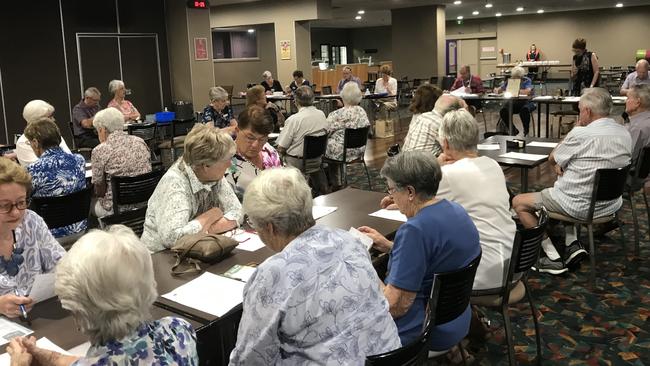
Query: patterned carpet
[(607, 325)]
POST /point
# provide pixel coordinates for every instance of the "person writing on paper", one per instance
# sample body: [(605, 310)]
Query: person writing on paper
[(298, 81), (270, 85), (641, 76), (118, 89), (318, 298), (192, 196), (219, 112), (471, 84), (27, 248), (255, 96), (34, 111), (523, 107), (439, 236), (107, 283)]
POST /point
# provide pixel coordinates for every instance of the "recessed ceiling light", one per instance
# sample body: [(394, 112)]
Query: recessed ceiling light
[(540, 11), (497, 14), (619, 5), (460, 17), (361, 12), (457, 2), (488, 5), (251, 30), (358, 17), (520, 9), (475, 12)]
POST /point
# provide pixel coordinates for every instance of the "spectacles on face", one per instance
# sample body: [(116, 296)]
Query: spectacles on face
[(250, 223), (6, 207), (250, 138), (391, 190)]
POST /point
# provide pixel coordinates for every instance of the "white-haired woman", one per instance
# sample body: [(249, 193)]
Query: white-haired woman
[(33, 111), (118, 89), (523, 107), (107, 283), (270, 85), (118, 154), (219, 112), (192, 196), (318, 298), (350, 116)]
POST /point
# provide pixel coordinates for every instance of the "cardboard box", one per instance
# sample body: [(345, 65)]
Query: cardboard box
[(384, 128)]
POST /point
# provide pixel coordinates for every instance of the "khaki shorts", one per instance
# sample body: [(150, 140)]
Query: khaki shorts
[(545, 199)]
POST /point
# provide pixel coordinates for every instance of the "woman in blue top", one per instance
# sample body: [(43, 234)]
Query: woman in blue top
[(523, 107), (438, 237), (219, 112)]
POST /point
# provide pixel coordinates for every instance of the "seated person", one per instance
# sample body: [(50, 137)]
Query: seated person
[(219, 112), (118, 89), (472, 84), (192, 196), (26, 246), (253, 153), (641, 76), (637, 107), (270, 85), (350, 116), (424, 99), (324, 296), (113, 266), (33, 111), (386, 84), (523, 107), (439, 236), (298, 81), (56, 172), (119, 154), (255, 96), (423, 130), (597, 142), (347, 77), (82, 119)]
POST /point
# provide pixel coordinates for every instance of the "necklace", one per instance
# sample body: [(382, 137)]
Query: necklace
[(11, 266)]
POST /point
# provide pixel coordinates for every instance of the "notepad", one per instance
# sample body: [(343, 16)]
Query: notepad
[(543, 144), (209, 293), (9, 330), (43, 287), (394, 215), (365, 239), (320, 211), (248, 241), (523, 156), (488, 146)]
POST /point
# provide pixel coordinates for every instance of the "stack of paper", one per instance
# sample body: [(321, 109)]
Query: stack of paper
[(488, 146), (365, 239), (320, 211), (248, 241), (543, 144), (390, 215), (9, 330), (523, 156), (209, 293)]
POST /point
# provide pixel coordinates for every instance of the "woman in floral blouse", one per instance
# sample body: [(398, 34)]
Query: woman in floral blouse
[(107, 283), (350, 116), (118, 89), (254, 153)]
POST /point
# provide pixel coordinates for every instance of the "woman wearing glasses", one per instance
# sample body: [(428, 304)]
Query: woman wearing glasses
[(26, 246)]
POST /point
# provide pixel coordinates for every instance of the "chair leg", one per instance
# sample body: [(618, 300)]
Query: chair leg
[(508, 329), (367, 175), (533, 310), (647, 209), (344, 174), (484, 120), (635, 220), (592, 253)]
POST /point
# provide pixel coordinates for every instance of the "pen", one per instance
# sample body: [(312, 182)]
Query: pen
[(21, 306)]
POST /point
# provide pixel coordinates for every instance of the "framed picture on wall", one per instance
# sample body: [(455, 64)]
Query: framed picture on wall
[(285, 50), (200, 49)]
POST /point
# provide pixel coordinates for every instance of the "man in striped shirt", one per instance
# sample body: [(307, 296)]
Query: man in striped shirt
[(597, 142), (423, 131)]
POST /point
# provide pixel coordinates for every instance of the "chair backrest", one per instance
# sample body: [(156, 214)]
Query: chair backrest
[(134, 219), (417, 82), (131, 190), (326, 90), (74, 142), (412, 354), (642, 168), (64, 210), (314, 146), (355, 137), (609, 184), (433, 80), (145, 131), (451, 292), (525, 250), (181, 128)]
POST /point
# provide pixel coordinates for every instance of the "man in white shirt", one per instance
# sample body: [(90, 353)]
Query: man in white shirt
[(639, 77), (423, 131), (34, 111), (637, 107)]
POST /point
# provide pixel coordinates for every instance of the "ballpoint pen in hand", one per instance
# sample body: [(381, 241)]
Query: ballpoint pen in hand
[(21, 306)]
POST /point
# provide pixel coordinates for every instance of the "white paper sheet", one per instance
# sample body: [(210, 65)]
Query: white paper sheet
[(80, 350), (242, 273), (89, 173), (274, 135), (390, 215), (523, 156), (248, 241), (365, 239), (43, 287), (571, 99), (543, 144), (209, 293), (9, 330), (488, 146), (44, 343), (545, 97), (88, 165), (320, 211)]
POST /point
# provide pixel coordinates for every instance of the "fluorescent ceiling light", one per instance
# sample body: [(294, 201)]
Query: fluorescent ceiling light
[(488, 5), (460, 17), (361, 12), (475, 12), (457, 2), (358, 17), (619, 5), (540, 11), (497, 14), (251, 30), (520, 9)]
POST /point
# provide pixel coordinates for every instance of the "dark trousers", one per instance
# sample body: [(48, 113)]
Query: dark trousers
[(86, 141), (519, 106)]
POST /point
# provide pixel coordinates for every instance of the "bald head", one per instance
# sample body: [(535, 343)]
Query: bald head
[(446, 103), (642, 68)]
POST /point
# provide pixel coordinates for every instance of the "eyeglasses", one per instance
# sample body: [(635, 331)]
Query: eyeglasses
[(391, 190), (249, 222), (7, 207), (250, 138)]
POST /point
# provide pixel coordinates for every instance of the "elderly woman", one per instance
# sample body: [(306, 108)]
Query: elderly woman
[(438, 236), (218, 112), (253, 153), (192, 196), (350, 116), (56, 172), (118, 89), (386, 84), (255, 96), (270, 85), (118, 154), (107, 283), (33, 111), (318, 298), (523, 107), (26, 246)]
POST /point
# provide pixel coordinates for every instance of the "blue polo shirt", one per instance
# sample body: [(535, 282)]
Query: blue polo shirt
[(440, 238)]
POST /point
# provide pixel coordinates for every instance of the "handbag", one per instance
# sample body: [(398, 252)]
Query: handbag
[(201, 247)]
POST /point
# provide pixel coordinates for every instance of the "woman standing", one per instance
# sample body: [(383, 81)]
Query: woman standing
[(585, 69)]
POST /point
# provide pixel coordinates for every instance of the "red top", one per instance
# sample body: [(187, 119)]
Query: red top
[(475, 84)]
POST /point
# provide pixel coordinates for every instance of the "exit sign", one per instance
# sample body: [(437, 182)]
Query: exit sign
[(198, 4)]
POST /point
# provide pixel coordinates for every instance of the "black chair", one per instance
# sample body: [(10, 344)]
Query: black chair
[(134, 219), (146, 131), (609, 184), (84, 151), (63, 210), (326, 90), (635, 184), (525, 253), (449, 298), (134, 190), (353, 138), (229, 89), (433, 80), (447, 82), (313, 148)]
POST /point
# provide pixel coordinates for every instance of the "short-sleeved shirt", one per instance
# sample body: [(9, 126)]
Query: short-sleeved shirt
[(168, 341), (126, 107), (58, 173), (25, 154), (475, 84), (275, 87), (633, 79), (344, 81), (439, 238), (293, 85), (221, 119), (639, 129), (423, 133), (80, 112), (603, 144), (308, 121), (242, 171), (382, 87), (525, 83), (339, 120)]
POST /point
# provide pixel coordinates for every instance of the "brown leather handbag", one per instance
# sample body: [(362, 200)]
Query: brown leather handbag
[(201, 247)]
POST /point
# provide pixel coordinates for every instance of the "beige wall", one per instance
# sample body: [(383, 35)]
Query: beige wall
[(178, 45), (202, 70)]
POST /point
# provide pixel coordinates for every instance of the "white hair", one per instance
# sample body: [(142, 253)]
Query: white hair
[(267, 74), (597, 100), (114, 85), (110, 118), (266, 201), (641, 91), (37, 109), (92, 92), (107, 282), (218, 93), (351, 94), (446, 103), (517, 72), (460, 130)]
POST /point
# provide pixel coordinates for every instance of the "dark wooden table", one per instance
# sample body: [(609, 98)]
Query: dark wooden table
[(545, 100)]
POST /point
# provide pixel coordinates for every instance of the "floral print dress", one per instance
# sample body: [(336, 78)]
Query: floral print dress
[(338, 121)]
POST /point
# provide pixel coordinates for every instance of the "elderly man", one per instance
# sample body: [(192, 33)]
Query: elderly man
[(82, 118), (423, 132), (465, 79), (523, 107), (637, 107), (347, 77), (33, 111), (597, 142), (639, 77)]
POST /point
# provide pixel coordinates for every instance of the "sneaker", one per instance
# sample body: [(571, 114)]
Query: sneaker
[(575, 253), (545, 265)]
